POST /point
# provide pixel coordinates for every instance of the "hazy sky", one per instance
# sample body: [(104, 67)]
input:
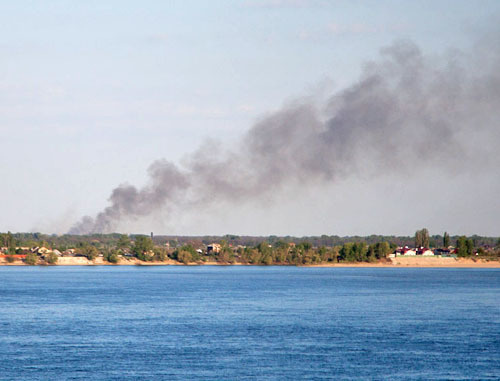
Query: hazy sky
[(93, 92)]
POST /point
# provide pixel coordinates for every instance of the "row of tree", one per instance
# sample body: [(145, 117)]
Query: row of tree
[(264, 252), (67, 241)]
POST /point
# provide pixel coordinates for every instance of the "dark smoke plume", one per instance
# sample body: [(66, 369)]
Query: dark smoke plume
[(406, 112)]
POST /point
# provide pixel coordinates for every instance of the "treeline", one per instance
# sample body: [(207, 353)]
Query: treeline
[(61, 242), (66, 241), (434, 241), (316, 241), (282, 253), (234, 249)]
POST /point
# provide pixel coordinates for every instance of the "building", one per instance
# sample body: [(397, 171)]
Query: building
[(214, 247), (405, 251), (442, 252), (425, 252)]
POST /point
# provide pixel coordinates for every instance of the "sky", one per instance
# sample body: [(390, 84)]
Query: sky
[(92, 93)]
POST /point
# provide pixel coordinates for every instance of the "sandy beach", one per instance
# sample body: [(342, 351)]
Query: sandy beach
[(420, 262)]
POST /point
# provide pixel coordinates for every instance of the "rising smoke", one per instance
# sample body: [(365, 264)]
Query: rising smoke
[(405, 112)]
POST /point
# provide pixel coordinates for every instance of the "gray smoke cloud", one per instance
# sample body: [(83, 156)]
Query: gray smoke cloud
[(407, 111)]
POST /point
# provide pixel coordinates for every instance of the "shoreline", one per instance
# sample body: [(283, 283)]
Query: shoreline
[(398, 262)]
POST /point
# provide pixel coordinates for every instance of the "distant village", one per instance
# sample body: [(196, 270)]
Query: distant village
[(123, 249), (44, 252), (215, 248)]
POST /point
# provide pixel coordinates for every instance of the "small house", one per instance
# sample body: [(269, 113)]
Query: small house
[(425, 252), (404, 251), (214, 247)]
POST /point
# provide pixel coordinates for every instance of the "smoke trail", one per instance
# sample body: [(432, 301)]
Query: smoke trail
[(127, 201), (405, 112)]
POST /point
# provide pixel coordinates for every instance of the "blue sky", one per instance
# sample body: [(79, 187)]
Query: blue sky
[(92, 92)]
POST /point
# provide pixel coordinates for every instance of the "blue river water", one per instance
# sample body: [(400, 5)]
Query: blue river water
[(249, 323)]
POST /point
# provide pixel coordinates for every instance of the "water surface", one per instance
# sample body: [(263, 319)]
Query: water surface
[(144, 323)]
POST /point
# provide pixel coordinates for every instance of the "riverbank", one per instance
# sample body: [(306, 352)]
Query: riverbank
[(421, 262), (391, 262)]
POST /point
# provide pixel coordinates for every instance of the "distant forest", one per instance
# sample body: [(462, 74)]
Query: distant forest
[(67, 241)]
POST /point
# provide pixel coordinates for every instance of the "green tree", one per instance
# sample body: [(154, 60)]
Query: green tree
[(382, 249), (282, 245), (371, 253), (267, 260), (89, 251), (324, 254), (347, 252), (113, 257), (31, 259), (462, 246), (470, 247), (306, 246), (335, 254), (465, 247), (123, 242), (193, 254), (43, 243), (191, 249), (377, 251), (142, 245), (10, 258), (422, 238), (224, 256), (279, 255), (52, 259), (264, 248), (160, 254), (360, 250), (184, 256), (9, 240), (446, 239), (354, 252), (254, 256)]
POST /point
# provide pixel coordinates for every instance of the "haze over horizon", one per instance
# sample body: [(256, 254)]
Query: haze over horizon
[(261, 117)]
